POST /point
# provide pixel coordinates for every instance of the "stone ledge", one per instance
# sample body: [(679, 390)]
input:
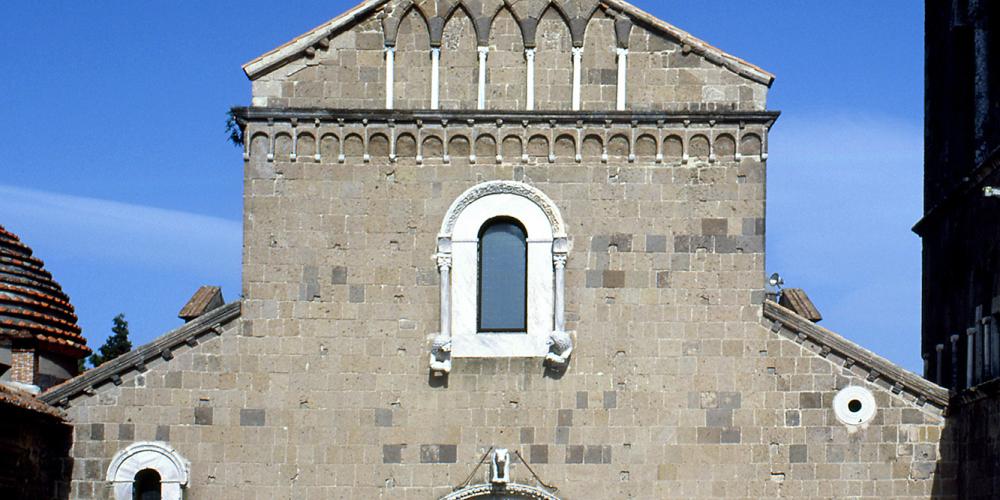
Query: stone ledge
[(112, 371), (888, 374)]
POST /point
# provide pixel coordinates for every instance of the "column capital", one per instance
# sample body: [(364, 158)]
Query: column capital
[(559, 260), (577, 51), (443, 261), (621, 51), (483, 50)]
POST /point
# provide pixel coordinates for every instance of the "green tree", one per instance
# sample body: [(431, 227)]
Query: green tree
[(116, 345)]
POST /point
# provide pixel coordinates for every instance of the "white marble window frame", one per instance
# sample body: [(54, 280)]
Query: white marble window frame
[(458, 260), (173, 469)]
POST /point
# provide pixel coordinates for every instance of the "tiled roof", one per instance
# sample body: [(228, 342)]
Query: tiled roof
[(32, 304), (19, 399)]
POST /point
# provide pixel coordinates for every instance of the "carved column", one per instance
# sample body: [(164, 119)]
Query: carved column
[(970, 347), (435, 78), (559, 261), (577, 72), (444, 269), (954, 361), (529, 55), (390, 75), (622, 77), (483, 53)]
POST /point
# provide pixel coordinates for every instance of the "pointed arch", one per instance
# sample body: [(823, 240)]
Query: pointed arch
[(459, 61), (598, 91), (506, 65), (412, 86), (554, 61)]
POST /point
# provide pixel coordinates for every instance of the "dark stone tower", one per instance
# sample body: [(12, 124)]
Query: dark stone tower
[(961, 223)]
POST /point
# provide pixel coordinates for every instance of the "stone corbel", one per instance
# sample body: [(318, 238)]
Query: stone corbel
[(440, 359)]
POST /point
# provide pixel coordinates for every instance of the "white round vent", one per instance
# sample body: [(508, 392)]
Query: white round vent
[(854, 405)]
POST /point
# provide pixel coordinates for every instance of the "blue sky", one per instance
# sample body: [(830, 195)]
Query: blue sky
[(116, 168)]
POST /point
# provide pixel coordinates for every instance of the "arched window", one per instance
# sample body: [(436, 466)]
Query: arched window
[(148, 471), (503, 277), (501, 253), (146, 485)]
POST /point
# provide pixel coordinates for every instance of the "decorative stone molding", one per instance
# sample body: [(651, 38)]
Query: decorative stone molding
[(503, 187), (458, 264), (657, 131), (173, 469), (511, 490)]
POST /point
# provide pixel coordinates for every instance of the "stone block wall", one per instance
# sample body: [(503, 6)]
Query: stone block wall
[(346, 70)]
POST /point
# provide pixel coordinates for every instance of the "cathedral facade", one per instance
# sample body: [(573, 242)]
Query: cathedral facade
[(504, 249)]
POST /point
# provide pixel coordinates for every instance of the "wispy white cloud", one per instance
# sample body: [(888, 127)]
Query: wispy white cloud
[(105, 230), (843, 192)]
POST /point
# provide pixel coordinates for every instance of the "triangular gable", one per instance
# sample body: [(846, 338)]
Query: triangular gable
[(317, 37)]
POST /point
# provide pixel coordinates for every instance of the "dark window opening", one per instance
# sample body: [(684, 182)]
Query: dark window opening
[(146, 485), (503, 277)]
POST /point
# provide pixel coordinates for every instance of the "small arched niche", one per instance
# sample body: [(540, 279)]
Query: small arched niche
[(151, 470)]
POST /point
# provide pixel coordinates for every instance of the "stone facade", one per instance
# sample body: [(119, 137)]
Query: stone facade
[(679, 384)]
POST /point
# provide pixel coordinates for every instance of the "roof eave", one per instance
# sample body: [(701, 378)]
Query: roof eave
[(280, 55)]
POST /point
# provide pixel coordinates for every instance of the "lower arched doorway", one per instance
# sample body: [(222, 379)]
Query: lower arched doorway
[(511, 491)]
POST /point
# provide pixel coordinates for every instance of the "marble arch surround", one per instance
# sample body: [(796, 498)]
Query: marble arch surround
[(174, 470), (458, 260)]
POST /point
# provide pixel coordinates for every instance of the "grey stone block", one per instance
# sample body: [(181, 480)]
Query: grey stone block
[(798, 453), (614, 279), (252, 417), (714, 227), (600, 243), (595, 279), (792, 418), (438, 453), (719, 417), (203, 415), (593, 455), (338, 276), (163, 433), (527, 435), (730, 436), (126, 432), (810, 400), (383, 417), (562, 435), (662, 279), (656, 243), (539, 453), (309, 288), (730, 400), (620, 242), (574, 454), (356, 294), (610, 400), (582, 400), (97, 432), (565, 418), (392, 453)]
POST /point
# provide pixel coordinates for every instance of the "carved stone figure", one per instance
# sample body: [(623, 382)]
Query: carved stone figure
[(500, 467), (441, 355), (560, 349)]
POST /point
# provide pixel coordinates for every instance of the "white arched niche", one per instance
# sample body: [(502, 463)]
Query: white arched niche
[(170, 465), (458, 263)]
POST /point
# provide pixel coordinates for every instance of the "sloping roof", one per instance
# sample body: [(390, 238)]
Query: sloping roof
[(204, 300), (854, 357), (23, 400), (32, 304), (162, 348), (300, 44)]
